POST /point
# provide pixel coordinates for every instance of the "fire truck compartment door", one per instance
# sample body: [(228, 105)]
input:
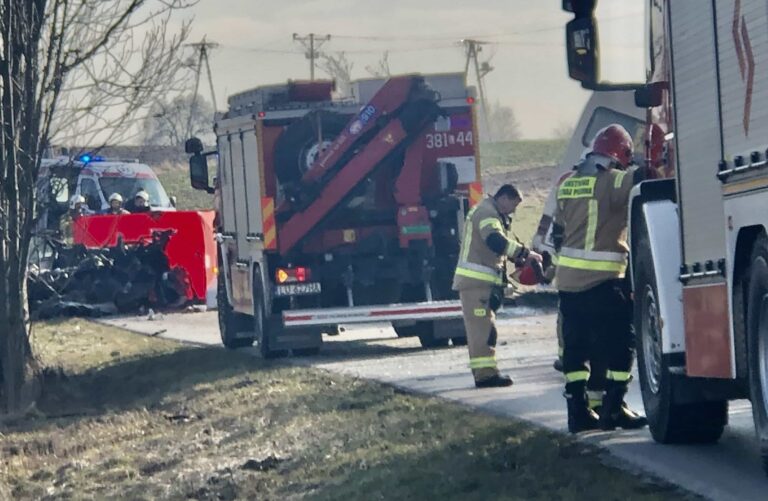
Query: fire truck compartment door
[(697, 131)]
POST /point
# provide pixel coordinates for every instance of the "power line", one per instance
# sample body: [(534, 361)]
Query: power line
[(312, 44), (473, 47), (202, 48), (260, 49), (479, 37)]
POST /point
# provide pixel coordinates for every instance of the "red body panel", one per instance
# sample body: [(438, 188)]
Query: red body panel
[(707, 333), (341, 240), (419, 176), (309, 91), (192, 247), (414, 224)]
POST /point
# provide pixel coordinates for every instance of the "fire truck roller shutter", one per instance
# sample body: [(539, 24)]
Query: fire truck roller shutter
[(299, 146)]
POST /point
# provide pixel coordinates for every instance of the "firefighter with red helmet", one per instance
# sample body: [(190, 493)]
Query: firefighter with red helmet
[(487, 245), (589, 234)]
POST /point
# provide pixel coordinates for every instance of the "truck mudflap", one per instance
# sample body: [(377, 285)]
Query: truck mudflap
[(192, 246), (435, 310)]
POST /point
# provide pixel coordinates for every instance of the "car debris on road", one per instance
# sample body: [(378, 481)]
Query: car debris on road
[(96, 282)]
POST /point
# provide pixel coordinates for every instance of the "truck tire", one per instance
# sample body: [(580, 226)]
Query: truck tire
[(406, 330), (265, 326), (757, 339), (669, 422), (231, 323), (306, 352), (426, 332), (298, 146)]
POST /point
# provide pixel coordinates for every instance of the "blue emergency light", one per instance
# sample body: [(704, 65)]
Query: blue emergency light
[(87, 158)]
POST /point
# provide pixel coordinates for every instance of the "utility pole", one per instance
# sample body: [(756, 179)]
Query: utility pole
[(472, 48), (312, 44), (201, 48)]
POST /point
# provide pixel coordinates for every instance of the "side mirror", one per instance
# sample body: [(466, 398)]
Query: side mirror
[(581, 46), (173, 201), (193, 146), (198, 173), (650, 95)]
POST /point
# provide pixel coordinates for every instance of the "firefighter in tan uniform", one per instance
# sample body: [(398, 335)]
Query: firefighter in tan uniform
[(480, 278), (595, 304)]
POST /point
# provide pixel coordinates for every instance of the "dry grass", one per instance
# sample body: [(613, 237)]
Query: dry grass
[(129, 417)]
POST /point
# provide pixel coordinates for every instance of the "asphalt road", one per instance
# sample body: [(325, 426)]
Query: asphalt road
[(729, 470)]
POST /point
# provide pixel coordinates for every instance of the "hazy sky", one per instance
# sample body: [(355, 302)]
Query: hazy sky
[(527, 49)]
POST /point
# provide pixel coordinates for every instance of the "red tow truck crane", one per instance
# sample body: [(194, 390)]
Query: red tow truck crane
[(339, 211)]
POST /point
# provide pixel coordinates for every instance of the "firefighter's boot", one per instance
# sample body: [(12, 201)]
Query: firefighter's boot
[(615, 413), (495, 381), (580, 416)]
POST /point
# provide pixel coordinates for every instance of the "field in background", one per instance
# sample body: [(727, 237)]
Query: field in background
[(526, 163), (523, 154), (529, 165)]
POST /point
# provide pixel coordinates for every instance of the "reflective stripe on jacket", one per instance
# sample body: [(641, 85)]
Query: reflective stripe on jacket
[(592, 211), (478, 265)]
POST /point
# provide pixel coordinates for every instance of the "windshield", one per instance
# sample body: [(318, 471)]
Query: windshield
[(603, 117), (128, 187)]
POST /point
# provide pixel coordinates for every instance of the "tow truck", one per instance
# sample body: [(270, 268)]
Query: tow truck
[(341, 211)]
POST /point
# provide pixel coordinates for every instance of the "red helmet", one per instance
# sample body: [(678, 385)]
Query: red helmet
[(615, 142), (526, 275)]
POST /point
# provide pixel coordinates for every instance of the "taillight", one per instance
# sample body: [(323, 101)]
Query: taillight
[(291, 275), (470, 100)]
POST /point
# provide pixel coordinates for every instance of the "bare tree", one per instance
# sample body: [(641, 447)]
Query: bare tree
[(381, 69), (338, 67), (564, 130), (502, 121), (69, 68), (170, 123)]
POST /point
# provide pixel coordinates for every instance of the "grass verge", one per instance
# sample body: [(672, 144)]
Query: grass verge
[(130, 417), (522, 154)]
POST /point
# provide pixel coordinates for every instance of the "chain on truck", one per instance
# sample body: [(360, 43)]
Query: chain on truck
[(699, 233), (341, 211)]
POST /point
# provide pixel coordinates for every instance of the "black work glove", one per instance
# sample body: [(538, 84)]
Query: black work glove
[(496, 299)]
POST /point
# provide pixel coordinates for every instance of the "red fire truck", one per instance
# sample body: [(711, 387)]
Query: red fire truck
[(340, 211)]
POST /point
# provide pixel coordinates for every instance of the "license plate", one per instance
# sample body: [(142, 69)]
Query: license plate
[(297, 289)]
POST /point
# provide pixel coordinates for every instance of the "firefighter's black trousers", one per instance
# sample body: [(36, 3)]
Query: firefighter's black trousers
[(597, 325)]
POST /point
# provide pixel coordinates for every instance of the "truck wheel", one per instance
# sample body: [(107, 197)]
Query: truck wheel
[(757, 339), (306, 352), (669, 422), (426, 333), (232, 325), (406, 330), (264, 326), (299, 146)]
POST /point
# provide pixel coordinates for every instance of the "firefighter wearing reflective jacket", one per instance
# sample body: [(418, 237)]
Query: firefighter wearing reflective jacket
[(589, 234), (480, 278)]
